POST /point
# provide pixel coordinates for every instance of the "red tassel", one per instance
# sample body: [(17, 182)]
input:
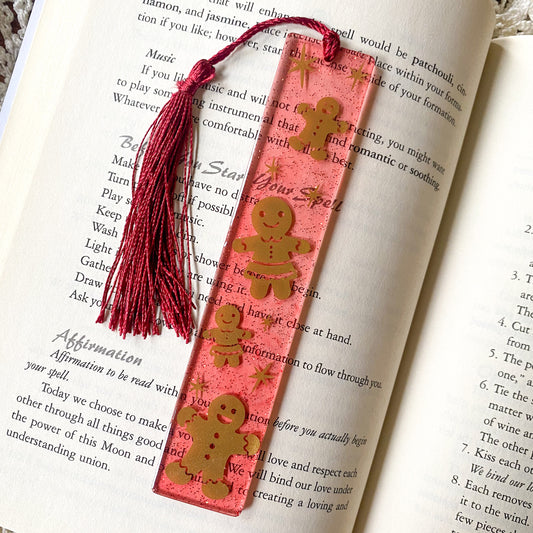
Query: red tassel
[(152, 266), (154, 249)]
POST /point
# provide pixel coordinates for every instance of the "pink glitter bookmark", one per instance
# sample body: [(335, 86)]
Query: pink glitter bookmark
[(271, 250)]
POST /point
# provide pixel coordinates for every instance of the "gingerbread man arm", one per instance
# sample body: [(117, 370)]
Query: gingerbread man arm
[(302, 246), (244, 444), (185, 415), (244, 244), (252, 444), (245, 334), (342, 126), (302, 108), (208, 334)]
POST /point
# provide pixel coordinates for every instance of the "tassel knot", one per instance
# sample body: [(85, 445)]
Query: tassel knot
[(202, 72), (330, 43)]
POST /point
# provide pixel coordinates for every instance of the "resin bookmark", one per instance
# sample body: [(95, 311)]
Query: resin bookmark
[(263, 277)]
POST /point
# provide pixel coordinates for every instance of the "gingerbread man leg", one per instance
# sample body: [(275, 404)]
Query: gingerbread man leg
[(319, 154), (215, 490), (233, 360), (259, 288), (296, 143), (177, 473), (282, 288), (219, 359)]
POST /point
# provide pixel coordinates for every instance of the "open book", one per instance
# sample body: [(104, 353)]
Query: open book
[(84, 413)]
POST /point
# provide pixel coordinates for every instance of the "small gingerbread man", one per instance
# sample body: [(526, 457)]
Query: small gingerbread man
[(215, 439), (272, 248), (227, 336), (320, 122)]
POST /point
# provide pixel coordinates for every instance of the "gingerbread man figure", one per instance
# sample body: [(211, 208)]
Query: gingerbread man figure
[(227, 336), (320, 122), (215, 439), (272, 248)]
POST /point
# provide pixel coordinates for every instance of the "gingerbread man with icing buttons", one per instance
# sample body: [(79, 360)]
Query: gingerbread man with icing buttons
[(320, 122), (271, 264), (227, 336), (215, 439)]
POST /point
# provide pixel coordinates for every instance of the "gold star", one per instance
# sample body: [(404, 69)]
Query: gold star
[(313, 195), (358, 75), (261, 375), (198, 386), (273, 169), (267, 322), (302, 65)]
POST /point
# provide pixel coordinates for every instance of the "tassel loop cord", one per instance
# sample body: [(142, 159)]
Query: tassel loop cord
[(330, 42), (203, 71)]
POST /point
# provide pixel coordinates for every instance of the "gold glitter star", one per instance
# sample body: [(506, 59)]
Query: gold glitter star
[(198, 386), (261, 375), (273, 169), (303, 65), (313, 195), (358, 75), (267, 322)]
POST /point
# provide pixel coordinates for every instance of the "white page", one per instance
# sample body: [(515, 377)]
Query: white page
[(459, 457), (365, 291)]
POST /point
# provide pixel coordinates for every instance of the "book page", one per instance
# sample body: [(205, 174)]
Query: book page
[(459, 458), (84, 413)]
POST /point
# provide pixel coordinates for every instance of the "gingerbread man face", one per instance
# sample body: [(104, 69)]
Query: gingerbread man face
[(227, 410), (328, 106), (272, 218), (227, 317)]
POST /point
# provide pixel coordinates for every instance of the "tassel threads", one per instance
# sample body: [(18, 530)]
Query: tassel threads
[(152, 263)]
